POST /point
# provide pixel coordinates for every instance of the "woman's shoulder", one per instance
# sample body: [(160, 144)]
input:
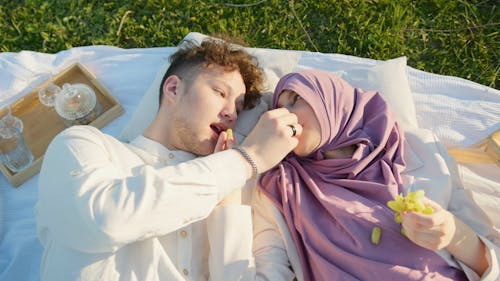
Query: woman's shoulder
[(427, 165)]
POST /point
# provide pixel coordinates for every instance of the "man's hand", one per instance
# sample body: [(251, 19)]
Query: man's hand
[(226, 141), (271, 139)]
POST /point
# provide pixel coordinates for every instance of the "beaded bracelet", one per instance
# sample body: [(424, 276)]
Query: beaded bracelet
[(249, 159)]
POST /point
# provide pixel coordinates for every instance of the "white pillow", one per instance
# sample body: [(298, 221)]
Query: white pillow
[(388, 77), (275, 63), (147, 108)]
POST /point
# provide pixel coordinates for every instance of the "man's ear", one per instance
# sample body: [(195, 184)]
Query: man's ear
[(170, 87)]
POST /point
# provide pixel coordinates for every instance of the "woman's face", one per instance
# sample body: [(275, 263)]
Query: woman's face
[(310, 138)]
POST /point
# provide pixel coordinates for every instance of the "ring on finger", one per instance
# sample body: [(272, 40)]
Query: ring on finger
[(294, 131)]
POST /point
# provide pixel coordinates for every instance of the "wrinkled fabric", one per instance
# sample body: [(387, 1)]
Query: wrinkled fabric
[(332, 205)]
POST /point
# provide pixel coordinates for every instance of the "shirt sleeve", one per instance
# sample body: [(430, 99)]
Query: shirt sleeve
[(439, 177), (245, 242), (230, 238), (95, 195), (270, 245), (492, 273), (463, 206)]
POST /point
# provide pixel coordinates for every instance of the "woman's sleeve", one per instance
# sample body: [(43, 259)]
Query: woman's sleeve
[(269, 245), (438, 175), (463, 206)]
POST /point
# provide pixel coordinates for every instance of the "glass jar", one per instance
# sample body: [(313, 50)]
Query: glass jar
[(77, 104)]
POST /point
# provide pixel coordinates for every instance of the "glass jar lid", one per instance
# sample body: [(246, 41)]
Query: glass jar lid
[(75, 101)]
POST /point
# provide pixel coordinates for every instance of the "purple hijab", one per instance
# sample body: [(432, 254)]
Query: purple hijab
[(332, 205)]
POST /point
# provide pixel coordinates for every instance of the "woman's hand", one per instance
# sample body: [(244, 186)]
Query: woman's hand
[(434, 231), (442, 229)]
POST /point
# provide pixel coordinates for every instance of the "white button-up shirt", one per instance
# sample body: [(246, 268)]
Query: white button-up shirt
[(114, 211)]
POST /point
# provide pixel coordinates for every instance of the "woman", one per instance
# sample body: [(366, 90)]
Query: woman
[(322, 202)]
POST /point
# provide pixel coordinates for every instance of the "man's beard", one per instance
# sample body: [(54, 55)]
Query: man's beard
[(188, 138)]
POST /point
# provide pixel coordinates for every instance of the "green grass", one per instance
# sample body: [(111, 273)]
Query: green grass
[(459, 38)]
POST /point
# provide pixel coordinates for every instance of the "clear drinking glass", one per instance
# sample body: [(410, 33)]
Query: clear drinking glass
[(47, 94), (14, 152)]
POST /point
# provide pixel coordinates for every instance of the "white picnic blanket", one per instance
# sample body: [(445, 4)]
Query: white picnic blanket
[(460, 112)]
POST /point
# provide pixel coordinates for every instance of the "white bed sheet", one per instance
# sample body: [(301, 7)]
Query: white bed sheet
[(459, 111)]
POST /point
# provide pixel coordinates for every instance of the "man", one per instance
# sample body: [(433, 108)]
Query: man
[(149, 210)]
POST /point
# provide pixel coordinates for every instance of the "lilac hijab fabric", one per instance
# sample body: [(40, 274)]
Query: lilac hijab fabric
[(332, 205)]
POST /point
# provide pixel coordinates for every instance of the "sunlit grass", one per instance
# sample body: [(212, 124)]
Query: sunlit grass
[(459, 38)]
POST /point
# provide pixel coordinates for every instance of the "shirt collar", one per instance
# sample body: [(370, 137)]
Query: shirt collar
[(412, 159), (163, 154)]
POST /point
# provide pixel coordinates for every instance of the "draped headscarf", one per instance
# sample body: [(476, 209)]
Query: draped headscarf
[(332, 205)]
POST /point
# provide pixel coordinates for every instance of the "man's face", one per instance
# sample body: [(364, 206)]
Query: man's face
[(206, 106)]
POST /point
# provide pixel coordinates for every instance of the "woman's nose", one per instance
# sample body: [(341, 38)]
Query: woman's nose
[(290, 108), (285, 105)]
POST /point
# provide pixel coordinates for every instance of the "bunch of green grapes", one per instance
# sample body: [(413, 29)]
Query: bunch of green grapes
[(412, 202)]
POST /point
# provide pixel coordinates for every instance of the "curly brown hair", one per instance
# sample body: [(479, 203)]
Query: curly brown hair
[(188, 60)]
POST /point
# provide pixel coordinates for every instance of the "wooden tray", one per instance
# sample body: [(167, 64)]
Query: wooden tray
[(42, 124), (485, 151)]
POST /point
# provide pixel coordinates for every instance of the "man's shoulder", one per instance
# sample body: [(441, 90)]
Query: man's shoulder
[(82, 133), (80, 129)]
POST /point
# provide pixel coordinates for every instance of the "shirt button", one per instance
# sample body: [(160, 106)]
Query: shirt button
[(171, 155), (185, 271), (183, 233)]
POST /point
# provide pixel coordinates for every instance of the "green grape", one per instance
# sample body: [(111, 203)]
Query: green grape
[(416, 195), (376, 232), (397, 217), (428, 210)]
